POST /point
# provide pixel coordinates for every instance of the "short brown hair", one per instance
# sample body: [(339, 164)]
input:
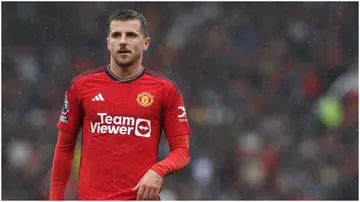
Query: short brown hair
[(125, 15)]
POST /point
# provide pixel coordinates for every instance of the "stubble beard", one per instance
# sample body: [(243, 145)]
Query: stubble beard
[(128, 63)]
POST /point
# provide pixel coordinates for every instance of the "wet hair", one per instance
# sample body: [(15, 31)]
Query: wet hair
[(125, 15)]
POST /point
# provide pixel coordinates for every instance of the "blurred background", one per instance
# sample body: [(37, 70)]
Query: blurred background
[(271, 91)]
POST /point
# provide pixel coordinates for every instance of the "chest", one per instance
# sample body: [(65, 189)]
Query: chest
[(142, 100)]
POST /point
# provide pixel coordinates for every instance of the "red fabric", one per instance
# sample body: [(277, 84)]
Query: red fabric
[(178, 158), (61, 170), (121, 125)]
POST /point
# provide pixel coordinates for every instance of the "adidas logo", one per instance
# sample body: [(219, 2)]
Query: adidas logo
[(99, 97)]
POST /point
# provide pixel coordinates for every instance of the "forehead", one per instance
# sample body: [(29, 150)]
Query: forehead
[(125, 26)]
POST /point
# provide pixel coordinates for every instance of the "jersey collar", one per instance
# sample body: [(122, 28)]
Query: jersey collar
[(120, 80)]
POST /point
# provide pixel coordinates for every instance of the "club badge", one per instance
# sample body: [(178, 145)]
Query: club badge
[(145, 99)]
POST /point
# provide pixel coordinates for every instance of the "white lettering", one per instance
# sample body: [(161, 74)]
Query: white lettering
[(129, 130), (103, 129), (128, 121), (123, 130), (121, 125), (113, 129), (101, 117), (108, 119), (183, 120), (93, 126), (117, 120)]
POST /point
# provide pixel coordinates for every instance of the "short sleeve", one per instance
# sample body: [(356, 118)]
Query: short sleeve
[(174, 115), (72, 111)]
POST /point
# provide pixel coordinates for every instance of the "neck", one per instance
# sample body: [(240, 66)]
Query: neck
[(127, 71)]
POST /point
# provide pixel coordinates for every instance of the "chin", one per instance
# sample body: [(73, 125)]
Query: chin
[(124, 63)]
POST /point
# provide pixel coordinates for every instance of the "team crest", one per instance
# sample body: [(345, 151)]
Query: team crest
[(145, 99)]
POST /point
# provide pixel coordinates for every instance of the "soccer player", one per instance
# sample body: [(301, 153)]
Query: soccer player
[(121, 109)]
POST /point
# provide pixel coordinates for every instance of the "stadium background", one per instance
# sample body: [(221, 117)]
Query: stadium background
[(270, 89)]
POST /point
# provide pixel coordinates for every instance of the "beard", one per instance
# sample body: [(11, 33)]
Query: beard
[(127, 61)]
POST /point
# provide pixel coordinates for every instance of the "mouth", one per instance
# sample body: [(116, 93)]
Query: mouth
[(123, 51)]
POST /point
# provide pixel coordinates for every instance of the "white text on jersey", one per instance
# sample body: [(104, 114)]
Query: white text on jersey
[(121, 125)]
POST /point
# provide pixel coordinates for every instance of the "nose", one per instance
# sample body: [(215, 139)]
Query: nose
[(122, 40)]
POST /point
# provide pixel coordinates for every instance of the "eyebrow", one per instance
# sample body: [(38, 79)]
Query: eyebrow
[(128, 32)]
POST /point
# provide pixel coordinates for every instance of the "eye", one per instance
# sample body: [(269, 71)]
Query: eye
[(131, 35), (116, 35)]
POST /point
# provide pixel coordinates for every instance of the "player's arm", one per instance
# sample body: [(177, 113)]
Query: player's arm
[(62, 164), (176, 131), (69, 125), (149, 186), (178, 158)]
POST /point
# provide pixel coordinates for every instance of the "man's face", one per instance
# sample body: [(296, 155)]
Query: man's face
[(126, 41)]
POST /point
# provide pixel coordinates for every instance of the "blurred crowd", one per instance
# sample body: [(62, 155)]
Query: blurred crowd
[(271, 91)]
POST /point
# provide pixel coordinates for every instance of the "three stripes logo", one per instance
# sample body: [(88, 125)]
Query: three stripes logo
[(98, 97)]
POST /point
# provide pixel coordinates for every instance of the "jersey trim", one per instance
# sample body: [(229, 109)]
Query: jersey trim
[(92, 71), (157, 75), (120, 80)]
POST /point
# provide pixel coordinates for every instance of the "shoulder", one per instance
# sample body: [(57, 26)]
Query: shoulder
[(80, 79), (169, 84)]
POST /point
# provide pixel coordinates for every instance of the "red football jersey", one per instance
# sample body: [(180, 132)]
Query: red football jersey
[(121, 124)]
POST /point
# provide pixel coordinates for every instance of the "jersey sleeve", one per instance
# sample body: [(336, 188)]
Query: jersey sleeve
[(72, 111), (174, 115)]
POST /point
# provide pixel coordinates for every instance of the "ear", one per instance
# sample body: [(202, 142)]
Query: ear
[(146, 43), (108, 43)]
